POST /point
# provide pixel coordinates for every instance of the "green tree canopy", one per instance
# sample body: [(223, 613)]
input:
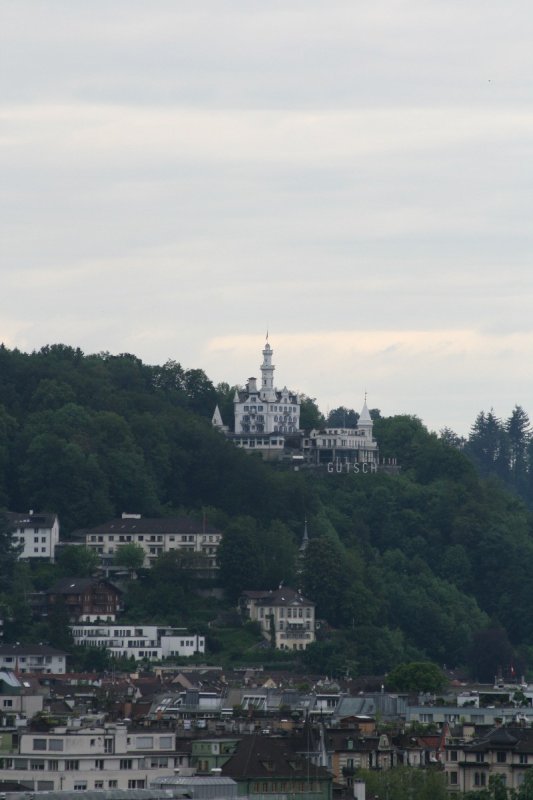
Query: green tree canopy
[(416, 677)]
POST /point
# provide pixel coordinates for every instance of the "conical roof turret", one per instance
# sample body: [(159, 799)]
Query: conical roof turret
[(364, 416)]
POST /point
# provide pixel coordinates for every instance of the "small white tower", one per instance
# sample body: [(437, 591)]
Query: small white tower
[(365, 422), (268, 392)]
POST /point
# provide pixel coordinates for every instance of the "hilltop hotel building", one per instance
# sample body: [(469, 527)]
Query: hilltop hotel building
[(267, 420)]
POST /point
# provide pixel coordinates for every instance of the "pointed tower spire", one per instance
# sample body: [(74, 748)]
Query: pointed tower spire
[(364, 416), (365, 423), (216, 420)]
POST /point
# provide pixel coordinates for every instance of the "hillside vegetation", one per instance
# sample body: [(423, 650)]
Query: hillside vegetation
[(433, 563)]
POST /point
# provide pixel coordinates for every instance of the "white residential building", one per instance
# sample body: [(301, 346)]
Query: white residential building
[(155, 537), (38, 658), (36, 534), (85, 759), (151, 642), (284, 614)]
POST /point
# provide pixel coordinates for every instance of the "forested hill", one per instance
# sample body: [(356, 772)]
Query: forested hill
[(434, 562)]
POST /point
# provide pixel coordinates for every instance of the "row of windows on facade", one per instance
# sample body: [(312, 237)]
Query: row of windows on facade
[(154, 551), (21, 539), (481, 758), (135, 645), (281, 625), (339, 443), (277, 418), (290, 409), (291, 612), (28, 659), (23, 530), (285, 787), (295, 646), (73, 764), (480, 779), (261, 428), (141, 743), (155, 538), (82, 786)]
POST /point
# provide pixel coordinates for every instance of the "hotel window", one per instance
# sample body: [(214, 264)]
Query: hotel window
[(146, 742), (165, 742), (55, 744), (501, 757), (39, 744)]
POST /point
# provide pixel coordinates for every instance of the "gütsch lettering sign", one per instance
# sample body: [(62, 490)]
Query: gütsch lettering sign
[(365, 467)]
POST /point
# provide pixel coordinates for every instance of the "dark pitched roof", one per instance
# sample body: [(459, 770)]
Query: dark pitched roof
[(499, 737), (265, 757), (279, 597), (30, 650), (79, 585), (27, 519), (182, 524)]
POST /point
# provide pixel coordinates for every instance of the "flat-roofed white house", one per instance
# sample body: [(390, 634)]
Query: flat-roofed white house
[(85, 759), (283, 613), (155, 536), (152, 642), (37, 535)]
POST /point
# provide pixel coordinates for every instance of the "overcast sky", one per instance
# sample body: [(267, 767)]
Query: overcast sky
[(354, 175)]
